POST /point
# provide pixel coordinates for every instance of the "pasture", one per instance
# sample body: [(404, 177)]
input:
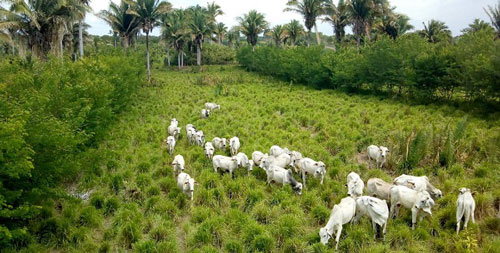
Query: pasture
[(135, 204)]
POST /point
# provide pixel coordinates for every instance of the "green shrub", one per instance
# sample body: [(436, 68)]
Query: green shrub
[(89, 217), (263, 243), (233, 246), (112, 204), (130, 234), (97, 201)]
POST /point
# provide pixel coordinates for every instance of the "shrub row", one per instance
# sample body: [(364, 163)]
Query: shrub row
[(466, 69), (48, 112)]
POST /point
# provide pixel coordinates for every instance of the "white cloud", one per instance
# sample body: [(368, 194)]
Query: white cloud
[(457, 14)]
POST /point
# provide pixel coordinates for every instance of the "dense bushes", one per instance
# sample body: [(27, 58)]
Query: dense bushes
[(468, 69), (50, 111)]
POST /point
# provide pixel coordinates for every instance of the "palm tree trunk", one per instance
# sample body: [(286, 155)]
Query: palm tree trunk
[(80, 38), (179, 59), (168, 56), (182, 59), (125, 42), (318, 39), (198, 54), (368, 32), (147, 57)]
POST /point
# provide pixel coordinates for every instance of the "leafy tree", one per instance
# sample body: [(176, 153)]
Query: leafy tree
[(148, 13), (121, 22), (294, 30), (394, 25), (213, 11), (338, 17), (478, 25), (278, 34), (176, 32), (220, 31), (233, 37), (363, 14), (252, 24), (435, 31), (310, 10), (494, 14), (201, 26)]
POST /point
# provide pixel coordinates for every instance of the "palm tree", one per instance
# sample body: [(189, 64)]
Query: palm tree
[(403, 24), (494, 14), (310, 10), (85, 4), (233, 37), (148, 13), (126, 25), (393, 25), (220, 31), (338, 17), (478, 25), (278, 34), (294, 30), (214, 11), (201, 26), (176, 33), (364, 13), (252, 24), (435, 31)]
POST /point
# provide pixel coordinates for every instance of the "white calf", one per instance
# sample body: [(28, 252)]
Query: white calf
[(178, 163), (226, 164), (465, 207), (282, 176), (205, 113), (282, 161), (186, 184), (379, 154), (411, 199), (209, 150), (220, 143), (341, 214), (234, 145), (257, 157), (174, 130), (374, 208), (244, 162), (170, 141), (211, 106), (276, 151), (191, 135), (200, 138), (309, 166), (418, 184), (174, 122), (354, 185), (377, 187)]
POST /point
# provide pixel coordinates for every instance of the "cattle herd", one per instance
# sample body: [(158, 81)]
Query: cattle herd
[(412, 192)]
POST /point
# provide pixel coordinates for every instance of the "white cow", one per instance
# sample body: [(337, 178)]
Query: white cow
[(465, 207), (174, 122), (178, 163), (200, 138), (418, 184), (220, 143), (282, 161), (170, 141), (209, 150), (226, 164), (276, 151), (411, 199), (374, 208), (377, 187), (379, 154), (354, 185), (191, 134), (257, 157), (282, 176), (244, 162), (211, 106), (295, 156), (186, 184), (341, 214), (174, 130), (309, 166), (205, 113), (234, 145)]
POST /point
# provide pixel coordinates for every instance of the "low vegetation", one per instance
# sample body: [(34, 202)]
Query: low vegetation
[(136, 205)]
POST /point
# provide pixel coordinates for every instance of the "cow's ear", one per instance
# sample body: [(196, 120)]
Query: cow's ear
[(187, 182), (316, 164), (345, 185)]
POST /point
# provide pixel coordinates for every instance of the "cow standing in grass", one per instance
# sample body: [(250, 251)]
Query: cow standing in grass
[(465, 207), (342, 213)]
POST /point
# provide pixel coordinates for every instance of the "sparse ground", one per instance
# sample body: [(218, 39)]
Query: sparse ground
[(244, 215)]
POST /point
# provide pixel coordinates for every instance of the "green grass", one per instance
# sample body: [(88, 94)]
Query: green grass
[(137, 206)]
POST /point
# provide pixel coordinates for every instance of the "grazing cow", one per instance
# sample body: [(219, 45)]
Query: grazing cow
[(174, 122), (191, 134), (205, 113), (178, 163), (354, 185), (174, 130), (186, 184), (282, 176), (411, 199), (309, 166), (244, 162), (211, 106), (418, 184), (209, 150), (374, 208), (341, 214), (295, 156), (257, 157), (226, 164), (377, 187), (200, 138), (276, 151), (379, 154), (465, 207), (170, 141), (234, 145), (220, 143), (282, 161)]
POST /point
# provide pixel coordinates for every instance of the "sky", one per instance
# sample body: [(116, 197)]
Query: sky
[(457, 14)]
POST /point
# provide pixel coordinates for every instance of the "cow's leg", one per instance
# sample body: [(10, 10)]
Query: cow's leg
[(467, 217), (322, 178), (369, 162), (304, 178), (472, 214), (414, 213), (384, 230), (337, 237), (391, 210), (374, 226), (458, 225)]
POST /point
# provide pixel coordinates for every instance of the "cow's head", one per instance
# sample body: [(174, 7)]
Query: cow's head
[(224, 142), (463, 190), (437, 193), (425, 202), (351, 188), (250, 165), (298, 188), (324, 235), (383, 151)]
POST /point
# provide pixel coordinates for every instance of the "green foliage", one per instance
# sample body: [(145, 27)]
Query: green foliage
[(218, 54)]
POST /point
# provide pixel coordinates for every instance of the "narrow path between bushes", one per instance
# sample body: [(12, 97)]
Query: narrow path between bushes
[(179, 232)]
